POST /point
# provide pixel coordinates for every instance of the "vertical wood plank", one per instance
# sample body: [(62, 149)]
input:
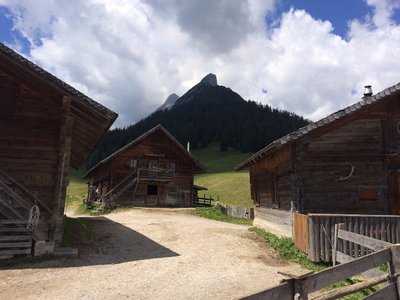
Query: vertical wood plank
[(328, 243), (317, 239), (322, 238), (311, 239), (335, 242)]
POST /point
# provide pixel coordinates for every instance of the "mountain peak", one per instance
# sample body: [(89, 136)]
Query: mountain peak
[(169, 102), (210, 79)]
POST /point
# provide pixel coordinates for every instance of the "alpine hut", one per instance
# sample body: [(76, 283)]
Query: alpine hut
[(348, 162), (46, 128), (152, 170)]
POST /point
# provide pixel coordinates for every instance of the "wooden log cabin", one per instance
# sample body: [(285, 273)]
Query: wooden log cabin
[(348, 162), (47, 127), (152, 170)]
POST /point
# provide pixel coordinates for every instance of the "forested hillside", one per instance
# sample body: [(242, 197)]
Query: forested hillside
[(209, 113)]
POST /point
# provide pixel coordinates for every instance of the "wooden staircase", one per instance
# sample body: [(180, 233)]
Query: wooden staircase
[(129, 181), (15, 238), (16, 201), (16, 222)]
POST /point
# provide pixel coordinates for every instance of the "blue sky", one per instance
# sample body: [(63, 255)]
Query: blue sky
[(131, 55), (338, 12), (8, 35)]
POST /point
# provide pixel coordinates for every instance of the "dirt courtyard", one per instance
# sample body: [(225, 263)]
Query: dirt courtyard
[(152, 254)]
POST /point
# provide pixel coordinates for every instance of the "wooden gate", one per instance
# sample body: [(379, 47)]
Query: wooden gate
[(349, 245), (300, 231), (302, 287)]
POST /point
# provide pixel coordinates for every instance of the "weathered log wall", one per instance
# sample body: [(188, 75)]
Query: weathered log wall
[(343, 170), (29, 143), (35, 147)]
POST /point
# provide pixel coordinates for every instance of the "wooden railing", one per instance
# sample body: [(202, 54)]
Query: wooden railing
[(14, 195), (203, 201), (321, 232), (302, 287), (155, 174)]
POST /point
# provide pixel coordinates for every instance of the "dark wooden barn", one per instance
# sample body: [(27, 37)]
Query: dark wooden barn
[(152, 170), (46, 127), (348, 162)]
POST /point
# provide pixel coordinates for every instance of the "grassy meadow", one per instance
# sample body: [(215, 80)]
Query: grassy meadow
[(222, 181)]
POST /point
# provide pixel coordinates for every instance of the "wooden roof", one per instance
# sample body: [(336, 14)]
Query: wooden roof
[(91, 119), (306, 130), (196, 163)]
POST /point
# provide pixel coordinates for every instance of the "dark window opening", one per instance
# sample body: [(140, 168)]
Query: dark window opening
[(152, 190)]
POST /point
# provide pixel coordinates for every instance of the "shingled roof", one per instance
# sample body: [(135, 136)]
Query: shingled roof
[(139, 139), (303, 131), (101, 118)]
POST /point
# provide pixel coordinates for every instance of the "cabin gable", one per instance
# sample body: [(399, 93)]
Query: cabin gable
[(159, 170)]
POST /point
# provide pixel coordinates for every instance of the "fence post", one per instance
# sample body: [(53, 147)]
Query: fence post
[(394, 267), (300, 290), (334, 248)]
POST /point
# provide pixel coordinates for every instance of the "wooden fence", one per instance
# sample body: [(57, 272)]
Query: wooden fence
[(321, 232), (309, 286), (361, 245)]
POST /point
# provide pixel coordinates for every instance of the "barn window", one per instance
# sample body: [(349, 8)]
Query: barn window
[(8, 101), (152, 190)]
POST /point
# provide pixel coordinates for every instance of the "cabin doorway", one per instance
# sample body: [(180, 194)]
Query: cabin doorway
[(152, 194)]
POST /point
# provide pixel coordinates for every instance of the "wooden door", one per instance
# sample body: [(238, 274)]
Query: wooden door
[(394, 186), (152, 195)]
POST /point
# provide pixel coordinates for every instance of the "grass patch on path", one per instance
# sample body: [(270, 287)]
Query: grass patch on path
[(214, 213), (287, 250)]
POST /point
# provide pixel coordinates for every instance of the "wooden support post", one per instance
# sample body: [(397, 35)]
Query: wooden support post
[(64, 157)]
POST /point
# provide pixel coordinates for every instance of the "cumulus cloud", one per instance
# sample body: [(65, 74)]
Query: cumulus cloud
[(131, 54)]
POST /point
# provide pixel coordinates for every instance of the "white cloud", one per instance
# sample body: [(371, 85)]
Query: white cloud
[(131, 54)]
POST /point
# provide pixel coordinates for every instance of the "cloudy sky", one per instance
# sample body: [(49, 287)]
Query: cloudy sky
[(308, 56)]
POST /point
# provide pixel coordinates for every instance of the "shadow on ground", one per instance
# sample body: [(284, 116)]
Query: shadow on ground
[(100, 241)]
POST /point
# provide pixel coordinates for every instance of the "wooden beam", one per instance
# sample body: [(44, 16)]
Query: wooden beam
[(388, 292), (350, 289), (332, 275), (64, 158), (363, 240)]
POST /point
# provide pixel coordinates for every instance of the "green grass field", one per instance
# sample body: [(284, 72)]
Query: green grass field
[(223, 183), (221, 180)]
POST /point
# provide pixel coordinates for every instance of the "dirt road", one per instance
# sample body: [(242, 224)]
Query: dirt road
[(152, 254)]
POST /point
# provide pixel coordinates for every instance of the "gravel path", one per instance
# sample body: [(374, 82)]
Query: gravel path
[(152, 254)]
